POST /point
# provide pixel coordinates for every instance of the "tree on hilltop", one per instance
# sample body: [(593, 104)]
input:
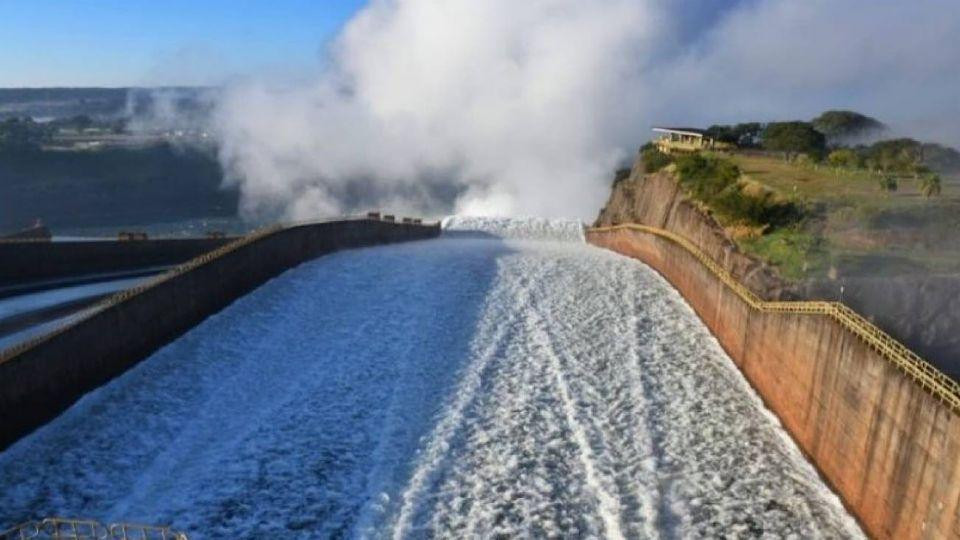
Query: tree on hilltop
[(844, 158), (843, 126), (744, 135), (793, 138)]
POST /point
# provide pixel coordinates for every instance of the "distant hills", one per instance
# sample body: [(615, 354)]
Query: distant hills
[(91, 157), (99, 103)]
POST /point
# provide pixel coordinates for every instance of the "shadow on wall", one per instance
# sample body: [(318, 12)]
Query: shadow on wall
[(919, 311), (297, 384)]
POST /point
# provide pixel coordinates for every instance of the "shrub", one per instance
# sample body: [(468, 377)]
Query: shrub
[(930, 186), (706, 177), (757, 210), (844, 158), (621, 175), (888, 183), (794, 252), (653, 159), (715, 181)]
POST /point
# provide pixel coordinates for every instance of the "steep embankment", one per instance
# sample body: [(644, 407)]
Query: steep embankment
[(881, 426), (656, 200), (916, 309)]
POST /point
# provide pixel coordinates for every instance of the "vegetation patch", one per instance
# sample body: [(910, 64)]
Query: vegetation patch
[(717, 182), (846, 126), (795, 252), (653, 159), (794, 138), (828, 194)]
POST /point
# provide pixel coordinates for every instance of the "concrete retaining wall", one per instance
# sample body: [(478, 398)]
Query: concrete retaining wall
[(889, 448), (24, 261), (41, 378)]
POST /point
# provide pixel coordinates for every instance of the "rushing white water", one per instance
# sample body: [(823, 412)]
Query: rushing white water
[(516, 229), (458, 387)]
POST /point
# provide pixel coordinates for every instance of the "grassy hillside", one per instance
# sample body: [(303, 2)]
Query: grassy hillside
[(853, 225), (813, 220)]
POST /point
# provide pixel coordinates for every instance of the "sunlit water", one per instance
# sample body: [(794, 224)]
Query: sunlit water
[(461, 387)]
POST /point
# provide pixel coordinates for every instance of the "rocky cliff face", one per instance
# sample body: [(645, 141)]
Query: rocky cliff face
[(918, 310), (657, 200)]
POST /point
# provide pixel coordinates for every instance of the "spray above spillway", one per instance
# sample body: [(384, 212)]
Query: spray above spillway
[(531, 228), (433, 107), (499, 107)]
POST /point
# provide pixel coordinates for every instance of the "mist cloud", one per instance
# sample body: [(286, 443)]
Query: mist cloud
[(505, 107)]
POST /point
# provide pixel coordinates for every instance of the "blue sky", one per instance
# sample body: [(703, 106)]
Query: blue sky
[(152, 42)]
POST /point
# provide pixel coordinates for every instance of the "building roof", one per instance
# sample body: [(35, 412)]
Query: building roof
[(682, 130)]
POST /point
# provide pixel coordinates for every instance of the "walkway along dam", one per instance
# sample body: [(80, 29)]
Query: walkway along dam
[(506, 378)]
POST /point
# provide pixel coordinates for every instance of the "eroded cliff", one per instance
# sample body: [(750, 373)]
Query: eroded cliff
[(657, 200), (916, 309)]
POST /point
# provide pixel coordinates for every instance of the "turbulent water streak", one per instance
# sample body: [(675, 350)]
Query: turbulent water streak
[(451, 388), (561, 230)]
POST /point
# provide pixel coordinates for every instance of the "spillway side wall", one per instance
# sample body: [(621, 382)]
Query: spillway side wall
[(28, 261), (889, 448), (47, 376)]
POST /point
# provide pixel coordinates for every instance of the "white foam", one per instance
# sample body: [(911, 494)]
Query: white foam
[(450, 388), (530, 228)]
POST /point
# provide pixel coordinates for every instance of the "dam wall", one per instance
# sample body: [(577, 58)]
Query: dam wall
[(881, 425), (25, 261), (42, 377)]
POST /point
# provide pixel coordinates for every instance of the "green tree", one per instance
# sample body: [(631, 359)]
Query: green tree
[(909, 156), (844, 158), (845, 125), (930, 185), (894, 156), (745, 135), (793, 138)]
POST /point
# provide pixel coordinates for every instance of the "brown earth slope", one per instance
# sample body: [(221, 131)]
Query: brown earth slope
[(918, 309), (656, 200)]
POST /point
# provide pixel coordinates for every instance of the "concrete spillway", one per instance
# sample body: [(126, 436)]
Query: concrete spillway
[(454, 387)]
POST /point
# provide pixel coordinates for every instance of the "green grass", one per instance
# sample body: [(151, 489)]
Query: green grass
[(852, 224), (809, 218), (796, 253), (833, 186), (717, 182)]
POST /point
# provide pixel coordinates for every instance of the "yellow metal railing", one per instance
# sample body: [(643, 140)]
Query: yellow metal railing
[(939, 385), (87, 529), (7, 354)]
